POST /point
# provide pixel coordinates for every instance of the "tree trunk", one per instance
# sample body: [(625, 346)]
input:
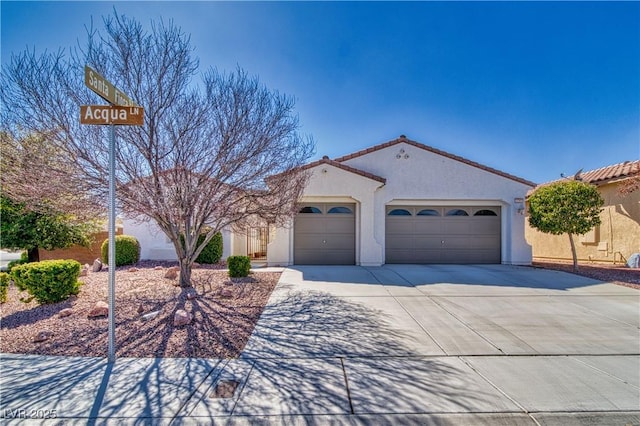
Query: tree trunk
[(185, 273), (573, 253), (33, 254)]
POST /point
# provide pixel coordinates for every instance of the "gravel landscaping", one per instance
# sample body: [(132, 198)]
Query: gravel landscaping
[(223, 313), (616, 274)]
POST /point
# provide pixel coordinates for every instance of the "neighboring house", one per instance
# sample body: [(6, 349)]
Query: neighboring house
[(397, 202), (81, 254), (617, 237), (405, 202)]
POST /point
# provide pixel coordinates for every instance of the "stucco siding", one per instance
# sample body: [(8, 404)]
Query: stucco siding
[(613, 241)]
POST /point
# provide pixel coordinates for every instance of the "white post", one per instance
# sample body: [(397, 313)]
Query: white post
[(112, 245)]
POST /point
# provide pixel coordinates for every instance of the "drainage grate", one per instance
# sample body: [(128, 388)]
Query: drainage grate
[(224, 389)]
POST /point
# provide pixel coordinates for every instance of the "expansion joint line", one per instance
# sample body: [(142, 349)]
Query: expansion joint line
[(346, 383), (486, 379)]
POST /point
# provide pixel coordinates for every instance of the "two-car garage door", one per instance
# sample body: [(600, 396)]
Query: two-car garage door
[(450, 234)]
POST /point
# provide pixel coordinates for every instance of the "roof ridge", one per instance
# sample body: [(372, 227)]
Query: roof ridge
[(404, 139)]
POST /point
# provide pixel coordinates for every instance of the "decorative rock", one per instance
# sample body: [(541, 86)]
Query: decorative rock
[(191, 296), (132, 270), (171, 274), (83, 272), (149, 316), (100, 309), (226, 293), (97, 266), (158, 268), (140, 309), (42, 336), (65, 312), (181, 318), (196, 265)]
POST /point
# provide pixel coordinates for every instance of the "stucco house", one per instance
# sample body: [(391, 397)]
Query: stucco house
[(617, 237), (396, 202)]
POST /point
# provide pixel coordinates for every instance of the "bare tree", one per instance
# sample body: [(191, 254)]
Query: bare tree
[(218, 153)]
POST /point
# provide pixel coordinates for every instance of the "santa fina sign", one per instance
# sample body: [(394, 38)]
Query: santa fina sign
[(112, 114)]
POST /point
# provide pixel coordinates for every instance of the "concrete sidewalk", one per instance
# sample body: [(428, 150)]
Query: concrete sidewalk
[(391, 345)]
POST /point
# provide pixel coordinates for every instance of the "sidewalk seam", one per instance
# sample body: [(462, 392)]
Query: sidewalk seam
[(346, 383)]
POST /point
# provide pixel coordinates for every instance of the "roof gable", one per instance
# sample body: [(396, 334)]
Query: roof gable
[(326, 160), (404, 139)]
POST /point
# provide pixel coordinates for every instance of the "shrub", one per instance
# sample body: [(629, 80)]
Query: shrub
[(213, 250), (239, 266), (4, 285), (24, 258), (127, 250), (48, 281)]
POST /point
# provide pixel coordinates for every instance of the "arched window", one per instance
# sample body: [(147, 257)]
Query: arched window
[(399, 212), (485, 213), (310, 209), (428, 212), (340, 209), (457, 212)]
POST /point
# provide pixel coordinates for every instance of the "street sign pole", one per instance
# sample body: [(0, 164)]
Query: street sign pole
[(112, 244), (120, 111)]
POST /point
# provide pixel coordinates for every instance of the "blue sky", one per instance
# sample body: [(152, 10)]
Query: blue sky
[(534, 89)]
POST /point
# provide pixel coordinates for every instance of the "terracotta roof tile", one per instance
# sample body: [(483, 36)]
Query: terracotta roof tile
[(404, 139), (326, 160), (615, 171)]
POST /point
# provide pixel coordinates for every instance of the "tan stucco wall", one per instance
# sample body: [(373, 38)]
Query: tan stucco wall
[(617, 237)]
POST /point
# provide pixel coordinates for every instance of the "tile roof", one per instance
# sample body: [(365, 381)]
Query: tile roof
[(608, 173), (326, 160), (404, 139)]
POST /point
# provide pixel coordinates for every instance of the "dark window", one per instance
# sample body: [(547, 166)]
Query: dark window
[(428, 212), (310, 210), (457, 212), (340, 209), (399, 212), (485, 213)]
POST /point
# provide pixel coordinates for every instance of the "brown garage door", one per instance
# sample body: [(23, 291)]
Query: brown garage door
[(324, 234), (453, 234)]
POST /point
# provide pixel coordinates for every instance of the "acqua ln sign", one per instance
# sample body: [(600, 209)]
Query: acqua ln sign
[(112, 114)]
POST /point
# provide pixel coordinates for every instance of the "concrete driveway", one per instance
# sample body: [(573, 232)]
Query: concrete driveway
[(474, 343)]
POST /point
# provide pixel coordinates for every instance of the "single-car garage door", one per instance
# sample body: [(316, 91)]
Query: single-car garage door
[(453, 234), (324, 234)]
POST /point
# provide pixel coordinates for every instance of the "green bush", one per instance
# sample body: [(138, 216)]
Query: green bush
[(48, 281), (239, 266), (127, 250), (4, 285), (24, 258), (212, 252)]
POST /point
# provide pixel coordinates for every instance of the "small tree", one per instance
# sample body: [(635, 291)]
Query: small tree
[(566, 207), (25, 229)]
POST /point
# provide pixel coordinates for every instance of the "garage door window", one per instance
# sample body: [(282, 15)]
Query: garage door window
[(310, 210), (340, 209), (485, 213), (428, 212), (399, 212), (457, 212)]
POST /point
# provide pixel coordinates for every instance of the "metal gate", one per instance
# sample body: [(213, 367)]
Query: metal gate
[(257, 240)]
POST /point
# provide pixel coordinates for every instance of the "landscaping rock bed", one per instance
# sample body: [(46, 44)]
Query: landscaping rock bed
[(222, 314)]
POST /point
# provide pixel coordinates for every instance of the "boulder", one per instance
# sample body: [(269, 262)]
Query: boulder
[(141, 308), (171, 274), (65, 312), (158, 268), (149, 316), (97, 266), (42, 336), (226, 293), (132, 270), (634, 261), (100, 309), (84, 271), (191, 296), (181, 318)]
